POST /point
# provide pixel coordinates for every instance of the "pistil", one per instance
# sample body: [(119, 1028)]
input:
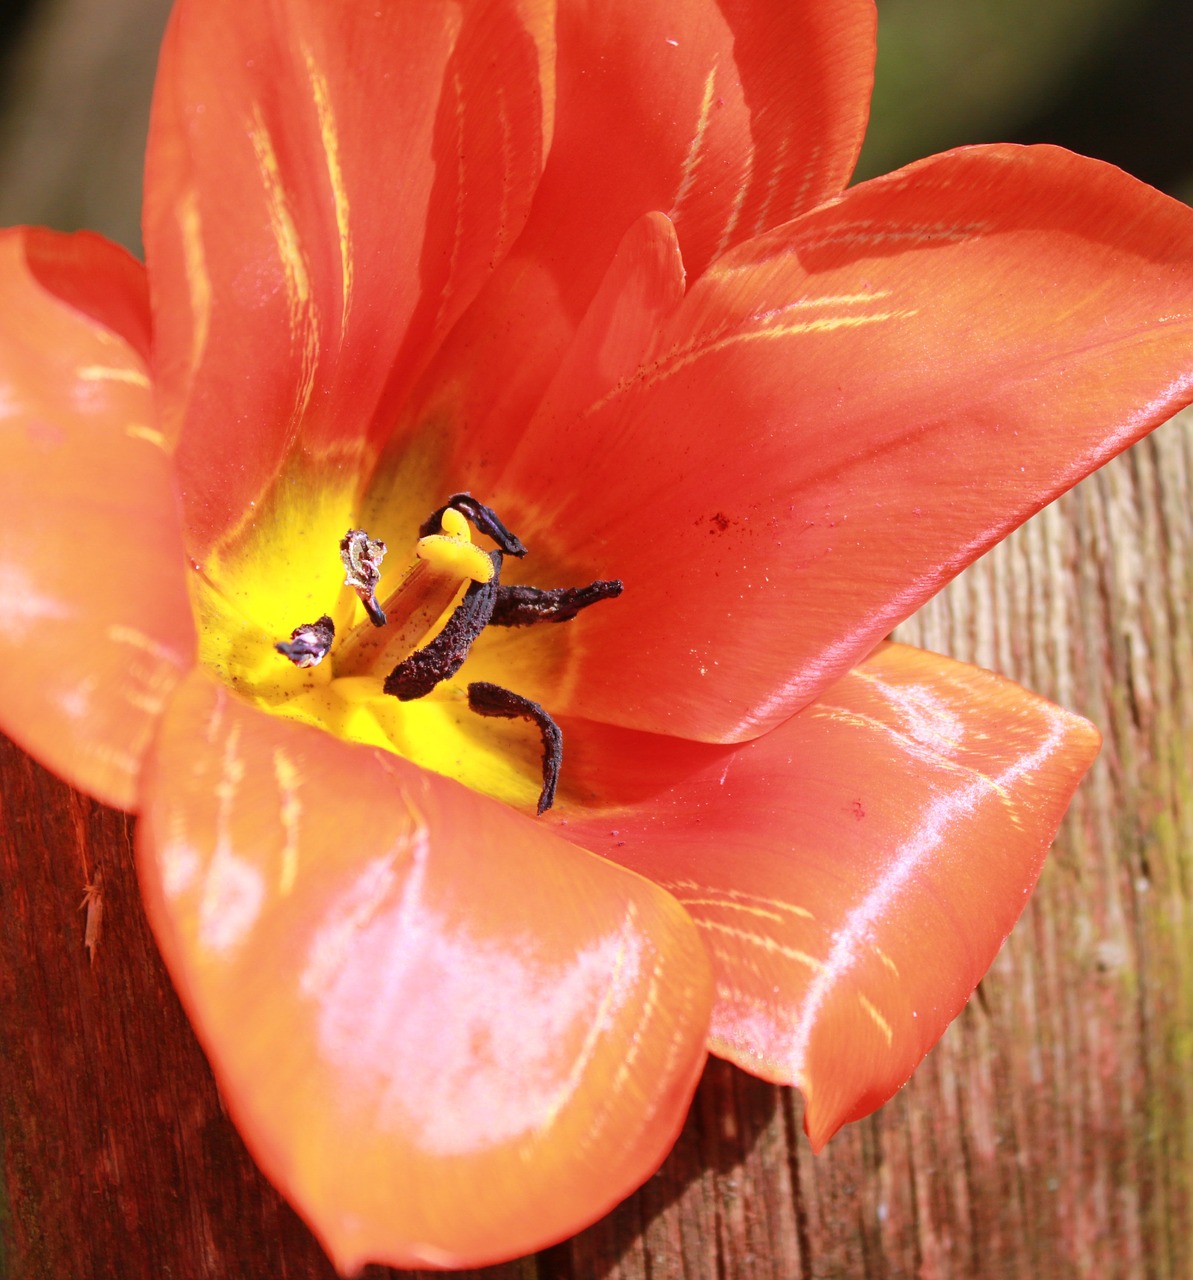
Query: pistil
[(444, 563)]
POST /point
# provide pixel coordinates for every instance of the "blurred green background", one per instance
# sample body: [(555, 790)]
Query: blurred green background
[(1110, 78)]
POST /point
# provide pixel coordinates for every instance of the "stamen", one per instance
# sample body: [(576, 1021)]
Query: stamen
[(485, 519), (308, 644), (522, 606), (415, 676), (362, 557), (492, 700)]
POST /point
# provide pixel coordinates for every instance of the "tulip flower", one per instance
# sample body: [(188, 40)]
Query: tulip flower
[(461, 859)]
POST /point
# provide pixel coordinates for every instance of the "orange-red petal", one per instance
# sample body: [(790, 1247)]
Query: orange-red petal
[(95, 624), (727, 117), (855, 871), (640, 290), (327, 187), (844, 413), (446, 1034), (96, 278)]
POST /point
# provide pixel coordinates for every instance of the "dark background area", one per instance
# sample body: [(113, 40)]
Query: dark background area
[(1110, 78)]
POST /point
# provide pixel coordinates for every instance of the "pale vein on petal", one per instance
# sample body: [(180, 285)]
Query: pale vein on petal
[(290, 813), (871, 1011), (106, 373), (772, 946), (507, 164), (669, 365), (198, 281), (146, 686), (634, 1045), (303, 330), (739, 200), (329, 133), (877, 234), (719, 896), (765, 217), (139, 431), (121, 633), (695, 152), (457, 88), (233, 890)]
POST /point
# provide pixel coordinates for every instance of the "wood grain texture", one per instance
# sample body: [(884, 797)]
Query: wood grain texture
[(1050, 1133)]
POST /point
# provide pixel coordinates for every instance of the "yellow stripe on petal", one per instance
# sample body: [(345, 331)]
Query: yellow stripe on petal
[(304, 331), (107, 373), (198, 281), (330, 137)]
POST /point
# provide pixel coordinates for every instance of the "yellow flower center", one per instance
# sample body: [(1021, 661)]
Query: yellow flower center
[(371, 657)]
